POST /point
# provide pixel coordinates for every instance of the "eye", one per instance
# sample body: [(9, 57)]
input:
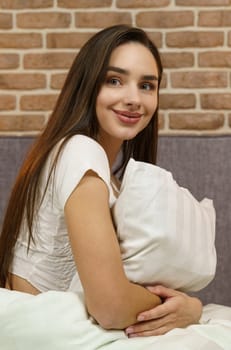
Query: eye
[(113, 81), (147, 86)]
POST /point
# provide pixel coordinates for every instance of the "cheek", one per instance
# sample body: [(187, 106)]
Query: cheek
[(151, 108), (108, 97), (101, 103), (102, 106), (153, 105)]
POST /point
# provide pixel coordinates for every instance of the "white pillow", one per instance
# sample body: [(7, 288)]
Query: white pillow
[(166, 236)]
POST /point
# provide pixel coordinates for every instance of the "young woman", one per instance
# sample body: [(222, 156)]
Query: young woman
[(58, 218)]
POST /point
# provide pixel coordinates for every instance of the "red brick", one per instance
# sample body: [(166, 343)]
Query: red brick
[(22, 81), (25, 4), (195, 39), (57, 81), (9, 61), (215, 59), (101, 19), (164, 19), (141, 3), (43, 20), (7, 102), (230, 120), (38, 102), (216, 101), (215, 18), (84, 3), (177, 101), (177, 59), (229, 38), (50, 60), (20, 40), (182, 73), (163, 83), (6, 21), (202, 2), (67, 40), (156, 38), (199, 80), (196, 121), (22, 122)]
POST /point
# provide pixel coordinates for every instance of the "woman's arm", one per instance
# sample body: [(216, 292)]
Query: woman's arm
[(177, 311), (110, 298)]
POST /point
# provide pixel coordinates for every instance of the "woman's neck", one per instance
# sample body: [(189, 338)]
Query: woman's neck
[(112, 150)]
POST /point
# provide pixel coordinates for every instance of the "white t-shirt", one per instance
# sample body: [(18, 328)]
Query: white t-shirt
[(49, 263)]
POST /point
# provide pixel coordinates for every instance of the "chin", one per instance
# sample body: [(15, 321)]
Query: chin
[(128, 135)]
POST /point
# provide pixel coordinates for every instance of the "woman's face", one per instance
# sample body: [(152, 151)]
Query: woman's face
[(127, 99)]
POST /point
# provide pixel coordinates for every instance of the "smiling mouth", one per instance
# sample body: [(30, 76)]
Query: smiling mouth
[(127, 117), (128, 114)]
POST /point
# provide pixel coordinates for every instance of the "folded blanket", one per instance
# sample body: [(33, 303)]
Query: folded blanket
[(59, 321)]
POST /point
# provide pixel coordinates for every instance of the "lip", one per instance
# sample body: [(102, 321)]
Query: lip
[(128, 114), (127, 117)]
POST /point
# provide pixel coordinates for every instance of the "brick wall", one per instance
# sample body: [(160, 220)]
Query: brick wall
[(39, 39)]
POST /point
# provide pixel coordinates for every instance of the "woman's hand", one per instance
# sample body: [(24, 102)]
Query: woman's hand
[(177, 311)]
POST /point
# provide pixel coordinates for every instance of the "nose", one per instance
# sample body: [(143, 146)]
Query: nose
[(132, 96)]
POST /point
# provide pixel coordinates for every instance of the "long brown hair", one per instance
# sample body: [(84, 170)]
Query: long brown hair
[(74, 113)]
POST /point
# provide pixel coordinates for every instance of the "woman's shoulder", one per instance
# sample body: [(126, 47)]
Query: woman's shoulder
[(79, 155), (81, 152), (80, 139), (82, 143)]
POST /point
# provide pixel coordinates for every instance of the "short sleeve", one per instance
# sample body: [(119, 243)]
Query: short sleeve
[(79, 155)]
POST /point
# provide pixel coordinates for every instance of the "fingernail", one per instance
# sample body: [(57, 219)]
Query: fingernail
[(129, 330), (140, 318)]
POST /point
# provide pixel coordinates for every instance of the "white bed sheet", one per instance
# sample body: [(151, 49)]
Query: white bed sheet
[(58, 320)]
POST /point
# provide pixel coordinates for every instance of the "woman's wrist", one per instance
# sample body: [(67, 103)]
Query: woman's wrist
[(199, 307)]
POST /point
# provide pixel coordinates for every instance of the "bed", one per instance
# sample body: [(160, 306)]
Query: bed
[(59, 320)]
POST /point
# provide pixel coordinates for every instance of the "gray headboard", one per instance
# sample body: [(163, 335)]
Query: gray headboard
[(202, 164)]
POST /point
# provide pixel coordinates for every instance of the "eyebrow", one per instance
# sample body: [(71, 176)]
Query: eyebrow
[(126, 72)]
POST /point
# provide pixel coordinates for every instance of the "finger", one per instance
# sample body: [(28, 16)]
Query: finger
[(155, 313), (148, 326), (152, 332), (162, 291), (170, 319)]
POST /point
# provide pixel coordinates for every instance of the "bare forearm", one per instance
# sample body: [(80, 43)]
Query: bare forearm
[(110, 298), (139, 299), (122, 309)]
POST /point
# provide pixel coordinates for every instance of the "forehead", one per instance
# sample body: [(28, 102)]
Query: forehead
[(134, 55)]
